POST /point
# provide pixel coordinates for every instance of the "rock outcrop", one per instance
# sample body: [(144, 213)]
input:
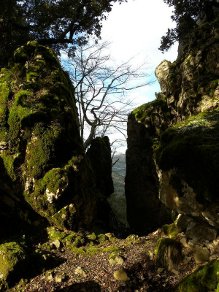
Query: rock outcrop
[(175, 140), (145, 212), (99, 155), (45, 176)]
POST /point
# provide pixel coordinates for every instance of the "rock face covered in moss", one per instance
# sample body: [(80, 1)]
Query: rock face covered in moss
[(175, 139), (44, 172), (12, 262), (145, 212), (204, 279)]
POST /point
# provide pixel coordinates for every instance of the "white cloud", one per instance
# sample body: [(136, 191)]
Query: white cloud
[(135, 29)]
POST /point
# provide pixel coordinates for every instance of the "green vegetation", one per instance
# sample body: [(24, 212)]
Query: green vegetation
[(155, 115), (170, 230), (192, 148), (40, 144), (82, 243), (11, 257), (168, 253), (150, 110), (58, 23), (9, 163), (206, 278), (186, 15)]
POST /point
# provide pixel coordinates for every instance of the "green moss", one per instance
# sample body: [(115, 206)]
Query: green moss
[(21, 96), (21, 54), (39, 138), (150, 109), (55, 179), (11, 253), (24, 53), (154, 115), (212, 86), (92, 236), (80, 242), (132, 238), (43, 142), (102, 238), (204, 279), (4, 94), (168, 253), (64, 218), (192, 148), (46, 195), (16, 115), (9, 163), (203, 119), (171, 230), (54, 233)]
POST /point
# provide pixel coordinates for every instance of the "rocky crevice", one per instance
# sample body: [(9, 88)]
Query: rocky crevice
[(52, 194)]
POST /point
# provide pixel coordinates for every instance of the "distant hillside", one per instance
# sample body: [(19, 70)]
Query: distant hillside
[(120, 166), (117, 200)]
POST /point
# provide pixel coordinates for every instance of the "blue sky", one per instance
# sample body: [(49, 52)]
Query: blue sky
[(134, 29)]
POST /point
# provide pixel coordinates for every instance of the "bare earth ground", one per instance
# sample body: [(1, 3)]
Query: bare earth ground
[(132, 268)]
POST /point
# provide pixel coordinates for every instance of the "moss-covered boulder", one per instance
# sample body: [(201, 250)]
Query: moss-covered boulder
[(145, 212), (168, 253), (45, 173), (188, 161), (173, 142), (12, 263), (206, 278)]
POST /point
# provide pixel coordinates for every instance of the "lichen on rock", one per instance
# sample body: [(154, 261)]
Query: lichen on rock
[(203, 279), (12, 257), (188, 161), (176, 136), (168, 253), (41, 147)]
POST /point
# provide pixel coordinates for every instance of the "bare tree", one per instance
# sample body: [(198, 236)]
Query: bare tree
[(100, 90)]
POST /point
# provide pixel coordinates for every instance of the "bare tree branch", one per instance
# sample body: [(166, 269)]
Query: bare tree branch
[(100, 89)]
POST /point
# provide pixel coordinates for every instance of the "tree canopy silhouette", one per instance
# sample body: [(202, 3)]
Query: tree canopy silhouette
[(186, 13), (58, 23)]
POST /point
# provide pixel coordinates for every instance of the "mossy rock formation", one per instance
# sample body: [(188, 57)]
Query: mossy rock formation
[(99, 156), (168, 253), (12, 263), (145, 212), (44, 172), (205, 278), (188, 158), (173, 142)]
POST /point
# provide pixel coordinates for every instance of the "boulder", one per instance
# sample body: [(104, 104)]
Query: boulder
[(173, 142), (99, 156), (188, 158), (145, 212), (12, 263), (168, 254), (46, 176), (203, 279)]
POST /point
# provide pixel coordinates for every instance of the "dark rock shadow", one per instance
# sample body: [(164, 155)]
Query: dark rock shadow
[(143, 277)]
